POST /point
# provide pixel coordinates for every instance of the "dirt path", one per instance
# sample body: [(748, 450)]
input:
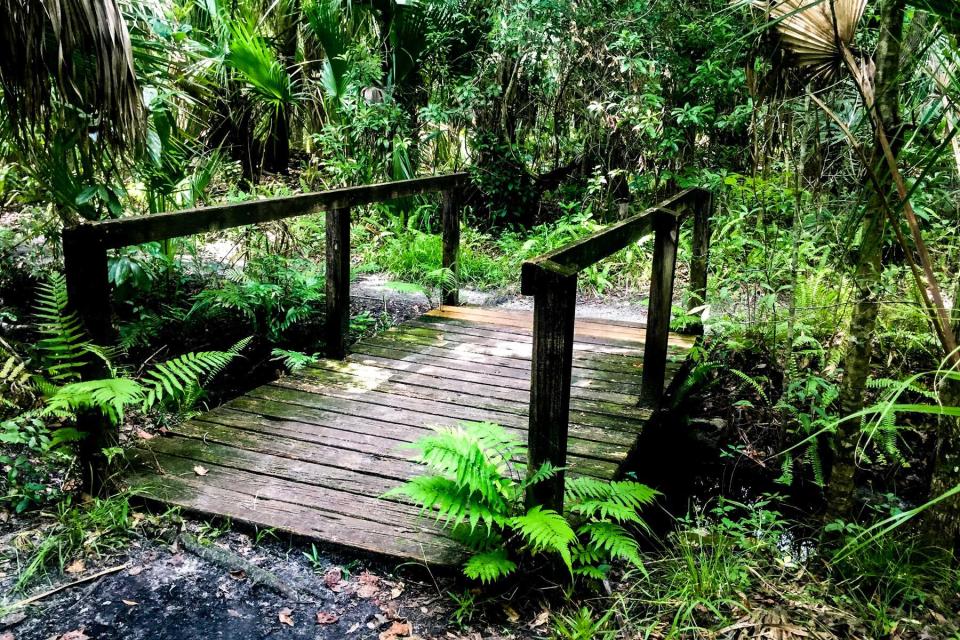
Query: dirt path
[(166, 592)]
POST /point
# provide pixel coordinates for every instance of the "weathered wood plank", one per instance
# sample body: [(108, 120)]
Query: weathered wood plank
[(327, 375), (421, 415), (481, 381), (623, 406), (488, 354), (160, 226), (580, 254), (254, 499), (583, 327)]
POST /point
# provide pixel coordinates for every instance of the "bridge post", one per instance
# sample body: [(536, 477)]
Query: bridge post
[(554, 307), (338, 282), (702, 210), (88, 295), (450, 295), (665, 226)]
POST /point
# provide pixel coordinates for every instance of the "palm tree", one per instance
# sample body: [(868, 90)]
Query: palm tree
[(69, 90)]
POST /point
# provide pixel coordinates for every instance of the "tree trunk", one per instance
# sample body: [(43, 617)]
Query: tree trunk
[(859, 348)]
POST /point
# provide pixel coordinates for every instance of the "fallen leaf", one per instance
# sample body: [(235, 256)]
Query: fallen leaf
[(144, 435), (135, 571), (396, 591), (332, 578), (233, 613), (130, 603), (285, 617), (200, 471), (324, 617), (369, 585), (238, 574), (541, 619), (77, 566), (7, 635), (354, 628), (76, 634), (511, 613), (397, 630)]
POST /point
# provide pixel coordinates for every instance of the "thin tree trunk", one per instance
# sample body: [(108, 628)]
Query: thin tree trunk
[(859, 347)]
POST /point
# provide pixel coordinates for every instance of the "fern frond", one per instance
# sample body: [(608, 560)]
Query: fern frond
[(64, 346), (110, 395), (614, 540), (546, 530), (175, 379), (294, 361), (489, 566), (453, 504)]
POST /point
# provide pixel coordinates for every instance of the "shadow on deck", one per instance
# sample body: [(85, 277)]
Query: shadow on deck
[(312, 453)]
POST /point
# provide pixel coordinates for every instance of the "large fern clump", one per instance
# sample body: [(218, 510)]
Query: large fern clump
[(475, 487), (64, 354)]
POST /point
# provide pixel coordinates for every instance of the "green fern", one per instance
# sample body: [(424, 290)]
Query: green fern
[(63, 348), (613, 540), (474, 480), (110, 395), (546, 530), (294, 361), (489, 566), (175, 380)]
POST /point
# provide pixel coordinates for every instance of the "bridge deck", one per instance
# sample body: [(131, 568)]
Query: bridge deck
[(312, 452)]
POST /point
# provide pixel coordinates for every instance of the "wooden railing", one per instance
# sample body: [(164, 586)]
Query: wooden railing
[(85, 258), (552, 280)]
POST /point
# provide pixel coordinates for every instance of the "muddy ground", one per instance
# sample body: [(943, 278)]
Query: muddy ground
[(165, 591)]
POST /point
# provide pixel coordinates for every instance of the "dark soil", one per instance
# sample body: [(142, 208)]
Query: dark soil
[(166, 592)]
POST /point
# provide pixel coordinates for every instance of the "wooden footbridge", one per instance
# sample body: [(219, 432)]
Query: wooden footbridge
[(311, 453)]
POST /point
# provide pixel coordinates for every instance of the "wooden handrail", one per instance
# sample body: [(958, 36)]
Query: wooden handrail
[(85, 249), (552, 279)]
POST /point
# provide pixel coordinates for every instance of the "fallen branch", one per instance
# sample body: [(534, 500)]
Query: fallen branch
[(63, 587), (232, 562)]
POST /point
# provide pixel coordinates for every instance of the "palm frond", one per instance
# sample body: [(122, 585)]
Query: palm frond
[(74, 51)]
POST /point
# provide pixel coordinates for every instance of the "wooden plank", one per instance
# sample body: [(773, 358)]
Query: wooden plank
[(580, 254), (160, 226), (257, 500), (488, 353), (553, 318), (361, 351), (481, 380), (450, 219), (480, 335), (337, 282), (416, 414), (282, 420), (331, 373), (622, 406), (582, 328), (661, 303), (209, 443), (469, 327), (526, 315)]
